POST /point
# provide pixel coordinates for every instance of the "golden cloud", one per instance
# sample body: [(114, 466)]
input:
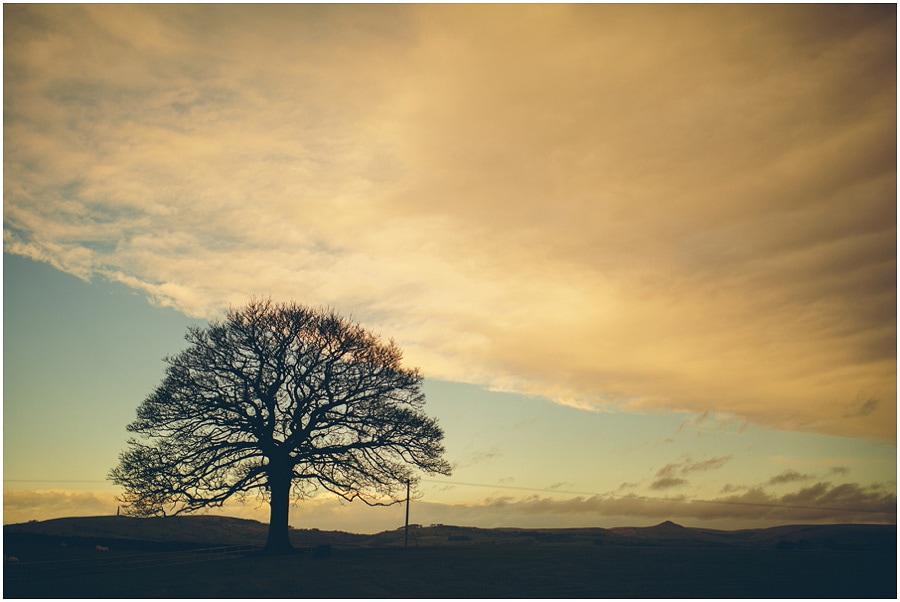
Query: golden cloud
[(672, 207)]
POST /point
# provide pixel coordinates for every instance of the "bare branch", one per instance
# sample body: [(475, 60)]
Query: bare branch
[(284, 398)]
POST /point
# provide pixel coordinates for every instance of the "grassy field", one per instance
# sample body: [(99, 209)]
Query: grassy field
[(499, 571), (58, 559)]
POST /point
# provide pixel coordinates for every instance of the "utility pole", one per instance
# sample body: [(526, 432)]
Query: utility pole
[(406, 531)]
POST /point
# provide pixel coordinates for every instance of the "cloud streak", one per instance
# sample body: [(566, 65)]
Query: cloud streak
[(653, 207), (821, 502), (20, 506), (667, 474), (789, 476)]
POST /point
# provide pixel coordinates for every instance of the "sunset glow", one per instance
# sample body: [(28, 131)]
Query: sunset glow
[(645, 255)]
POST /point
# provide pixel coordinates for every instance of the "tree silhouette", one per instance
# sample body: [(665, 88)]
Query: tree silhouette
[(281, 400)]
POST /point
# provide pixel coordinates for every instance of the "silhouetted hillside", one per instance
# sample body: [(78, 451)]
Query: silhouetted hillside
[(202, 531), (172, 532)]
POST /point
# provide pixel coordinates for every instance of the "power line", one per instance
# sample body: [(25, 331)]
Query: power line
[(546, 489), (660, 499)]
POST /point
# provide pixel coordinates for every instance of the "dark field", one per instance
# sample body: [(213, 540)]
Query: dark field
[(531, 571), (170, 558)]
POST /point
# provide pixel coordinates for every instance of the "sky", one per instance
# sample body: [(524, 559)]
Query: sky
[(645, 256)]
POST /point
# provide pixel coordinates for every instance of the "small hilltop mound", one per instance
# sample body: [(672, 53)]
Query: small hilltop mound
[(668, 527)]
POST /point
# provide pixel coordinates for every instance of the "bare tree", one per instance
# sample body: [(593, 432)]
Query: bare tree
[(282, 400)]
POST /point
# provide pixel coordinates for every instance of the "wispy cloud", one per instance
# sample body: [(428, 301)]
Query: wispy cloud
[(667, 483), (864, 409), (847, 501), (678, 207), (821, 502), (666, 476), (789, 476), (688, 465), (561, 485), (479, 457)]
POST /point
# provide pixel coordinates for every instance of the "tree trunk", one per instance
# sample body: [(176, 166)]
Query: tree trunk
[(278, 541)]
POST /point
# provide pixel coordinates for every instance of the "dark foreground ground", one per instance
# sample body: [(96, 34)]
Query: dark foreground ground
[(484, 571), (211, 557)]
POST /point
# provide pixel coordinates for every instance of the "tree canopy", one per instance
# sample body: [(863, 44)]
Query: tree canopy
[(283, 400)]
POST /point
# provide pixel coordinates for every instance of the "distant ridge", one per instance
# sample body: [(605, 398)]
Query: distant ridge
[(200, 531)]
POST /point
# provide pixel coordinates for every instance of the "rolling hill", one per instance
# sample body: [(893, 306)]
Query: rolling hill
[(179, 532)]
